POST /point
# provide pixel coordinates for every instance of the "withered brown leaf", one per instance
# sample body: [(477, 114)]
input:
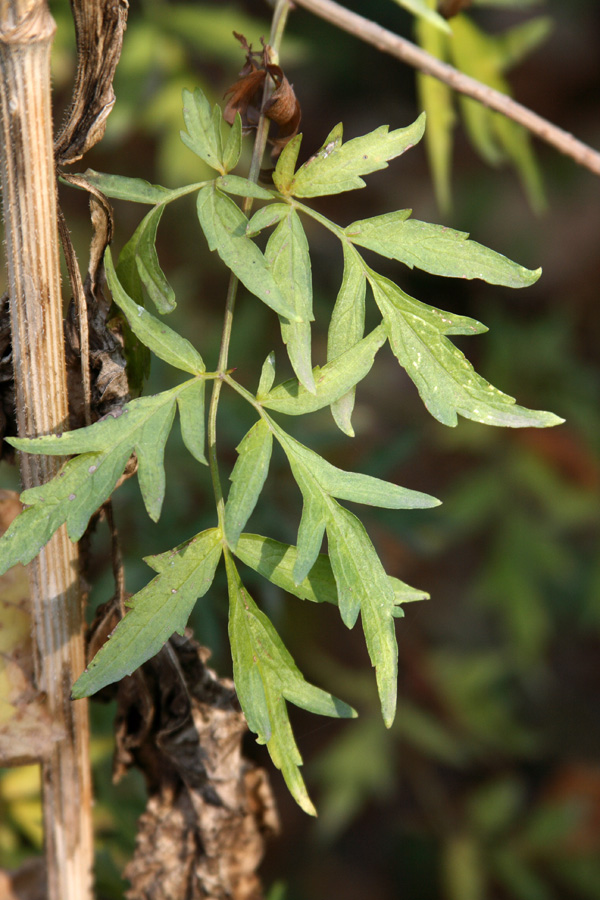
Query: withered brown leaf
[(282, 107)]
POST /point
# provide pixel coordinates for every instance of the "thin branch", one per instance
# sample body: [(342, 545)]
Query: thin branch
[(391, 43)]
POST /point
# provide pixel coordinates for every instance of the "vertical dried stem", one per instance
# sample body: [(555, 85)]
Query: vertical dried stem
[(29, 201)]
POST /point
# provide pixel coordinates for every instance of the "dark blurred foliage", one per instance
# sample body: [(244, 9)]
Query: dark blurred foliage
[(488, 785)]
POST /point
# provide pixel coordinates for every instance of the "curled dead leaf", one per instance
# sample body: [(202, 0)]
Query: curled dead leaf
[(247, 95)]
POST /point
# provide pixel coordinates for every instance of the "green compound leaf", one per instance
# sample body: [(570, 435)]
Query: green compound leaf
[(445, 379), (337, 166), (346, 329), (241, 187), (154, 334), (437, 249), (288, 259), (136, 190), (203, 125), (331, 382), (266, 677), (157, 611), (248, 477), (421, 9), (224, 226), (276, 562)]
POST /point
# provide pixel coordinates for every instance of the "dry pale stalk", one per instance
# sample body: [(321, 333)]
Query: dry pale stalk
[(29, 203)]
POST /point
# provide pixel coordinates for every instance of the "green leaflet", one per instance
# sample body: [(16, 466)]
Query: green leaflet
[(266, 217), (265, 677), (204, 126), (224, 226), (190, 402), (158, 610), (248, 477), (267, 375), (421, 9), (337, 167), (446, 381), (241, 187), (142, 428), (288, 259), (286, 165), (362, 584), (437, 249), (136, 190), (331, 382), (233, 145), (351, 485), (158, 337), (276, 562), (138, 264), (346, 329)]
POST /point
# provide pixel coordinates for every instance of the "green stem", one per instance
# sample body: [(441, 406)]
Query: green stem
[(278, 23)]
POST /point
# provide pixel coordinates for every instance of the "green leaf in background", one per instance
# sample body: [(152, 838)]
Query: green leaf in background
[(288, 259), (154, 334), (156, 612), (224, 226), (136, 190), (346, 329), (248, 477), (337, 166), (420, 9), (266, 677), (446, 381), (437, 249), (331, 382), (437, 100), (276, 562), (486, 57), (203, 125)]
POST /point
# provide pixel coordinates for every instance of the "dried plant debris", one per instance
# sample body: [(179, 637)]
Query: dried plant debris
[(246, 98), (27, 734), (209, 809), (109, 383), (99, 29), (8, 425), (28, 882)]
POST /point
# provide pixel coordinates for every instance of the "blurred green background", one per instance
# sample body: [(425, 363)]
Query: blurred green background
[(488, 785)]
